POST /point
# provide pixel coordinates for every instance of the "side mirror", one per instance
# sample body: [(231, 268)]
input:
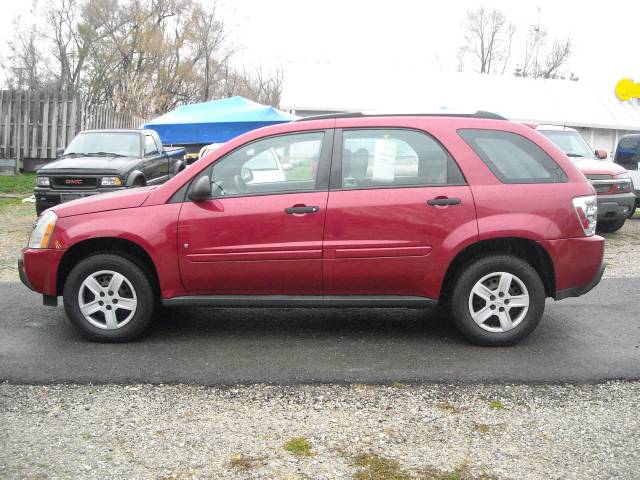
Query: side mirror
[(201, 189), (59, 151), (601, 154)]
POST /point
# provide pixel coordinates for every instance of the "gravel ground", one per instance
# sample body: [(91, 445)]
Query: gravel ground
[(170, 432)]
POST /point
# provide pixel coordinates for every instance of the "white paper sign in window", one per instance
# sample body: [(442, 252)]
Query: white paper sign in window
[(384, 159)]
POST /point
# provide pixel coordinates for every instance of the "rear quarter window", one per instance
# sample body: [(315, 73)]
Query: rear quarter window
[(513, 158)]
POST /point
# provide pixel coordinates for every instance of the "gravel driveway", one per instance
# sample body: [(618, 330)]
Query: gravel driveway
[(362, 432), (171, 432)]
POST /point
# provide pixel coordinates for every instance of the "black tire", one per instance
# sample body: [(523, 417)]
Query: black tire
[(472, 273), (610, 226), (133, 274), (633, 210)]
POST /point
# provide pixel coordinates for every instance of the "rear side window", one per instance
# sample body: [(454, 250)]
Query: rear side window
[(513, 158), (373, 158)]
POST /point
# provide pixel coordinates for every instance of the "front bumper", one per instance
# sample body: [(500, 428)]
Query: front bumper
[(48, 197), (38, 269), (615, 207)]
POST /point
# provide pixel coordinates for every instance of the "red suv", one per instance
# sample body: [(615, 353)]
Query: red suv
[(475, 212)]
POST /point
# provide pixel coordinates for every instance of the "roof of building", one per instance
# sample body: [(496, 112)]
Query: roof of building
[(575, 103)]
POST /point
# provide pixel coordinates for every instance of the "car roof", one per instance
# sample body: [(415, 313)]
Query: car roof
[(446, 113), (556, 128)]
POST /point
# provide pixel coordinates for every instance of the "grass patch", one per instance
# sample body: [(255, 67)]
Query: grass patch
[(19, 184), (299, 172), (482, 428), (9, 203), (461, 472), (496, 405), (240, 461), (375, 467), (448, 407), (299, 447)]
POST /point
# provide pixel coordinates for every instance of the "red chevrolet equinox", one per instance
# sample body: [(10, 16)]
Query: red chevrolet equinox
[(474, 212)]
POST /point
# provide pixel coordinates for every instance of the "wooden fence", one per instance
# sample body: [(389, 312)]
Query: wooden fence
[(33, 125)]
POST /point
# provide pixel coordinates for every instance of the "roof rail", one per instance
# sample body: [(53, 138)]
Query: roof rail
[(478, 114)]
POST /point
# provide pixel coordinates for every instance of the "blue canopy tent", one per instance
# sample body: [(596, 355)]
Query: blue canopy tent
[(215, 122)]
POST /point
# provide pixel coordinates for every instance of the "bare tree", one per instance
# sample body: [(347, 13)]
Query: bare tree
[(538, 60), (140, 56), (26, 63), (487, 40)]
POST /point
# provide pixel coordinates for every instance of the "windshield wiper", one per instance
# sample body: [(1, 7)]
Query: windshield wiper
[(72, 154), (103, 154), (575, 155)]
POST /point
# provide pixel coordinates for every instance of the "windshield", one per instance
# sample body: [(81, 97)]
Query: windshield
[(569, 142), (115, 143)]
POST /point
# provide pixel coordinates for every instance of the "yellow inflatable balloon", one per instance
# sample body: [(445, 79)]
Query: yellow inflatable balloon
[(626, 89)]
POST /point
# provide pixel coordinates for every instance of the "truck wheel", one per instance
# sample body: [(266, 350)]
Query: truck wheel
[(497, 300), (633, 210), (609, 226), (108, 298)]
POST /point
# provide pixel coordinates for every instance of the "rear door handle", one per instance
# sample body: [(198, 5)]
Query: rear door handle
[(440, 201), (301, 209)]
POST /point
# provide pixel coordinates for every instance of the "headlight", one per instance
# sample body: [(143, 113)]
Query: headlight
[(43, 230), (111, 182), (42, 181)]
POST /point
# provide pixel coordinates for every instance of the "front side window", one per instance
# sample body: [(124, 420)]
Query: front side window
[(286, 163), (628, 152), (374, 158), (513, 158), (150, 147)]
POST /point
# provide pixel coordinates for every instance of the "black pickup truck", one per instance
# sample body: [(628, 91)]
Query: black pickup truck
[(100, 161)]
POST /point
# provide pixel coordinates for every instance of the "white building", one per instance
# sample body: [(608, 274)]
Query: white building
[(592, 109)]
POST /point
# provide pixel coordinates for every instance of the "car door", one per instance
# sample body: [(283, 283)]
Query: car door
[(153, 161), (397, 200), (257, 234)]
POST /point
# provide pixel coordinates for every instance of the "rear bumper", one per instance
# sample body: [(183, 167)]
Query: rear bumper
[(582, 289), (577, 263), (615, 207)]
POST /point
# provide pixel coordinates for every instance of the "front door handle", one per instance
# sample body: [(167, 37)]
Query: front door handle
[(442, 201), (298, 209)]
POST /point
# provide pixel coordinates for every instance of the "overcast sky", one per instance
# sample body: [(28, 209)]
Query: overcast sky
[(350, 35)]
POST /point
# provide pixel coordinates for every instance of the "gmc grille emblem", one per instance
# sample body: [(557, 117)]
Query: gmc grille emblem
[(73, 181)]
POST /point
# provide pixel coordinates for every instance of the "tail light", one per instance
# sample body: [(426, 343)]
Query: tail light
[(587, 211)]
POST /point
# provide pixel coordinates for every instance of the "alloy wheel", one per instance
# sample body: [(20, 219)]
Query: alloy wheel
[(498, 302), (107, 300)]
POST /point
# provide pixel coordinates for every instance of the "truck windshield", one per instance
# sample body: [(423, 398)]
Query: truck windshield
[(104, 143), (569, 142)]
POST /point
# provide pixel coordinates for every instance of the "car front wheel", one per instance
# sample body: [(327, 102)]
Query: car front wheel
[(497, 300), (108, 298), (610, 226)]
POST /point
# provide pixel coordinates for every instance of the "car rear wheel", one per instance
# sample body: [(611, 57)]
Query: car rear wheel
[(497, 300), (609, 226), (108, 298)]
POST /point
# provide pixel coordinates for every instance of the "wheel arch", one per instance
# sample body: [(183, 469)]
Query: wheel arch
[(529, 250), (136, 176), (117, 246)]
